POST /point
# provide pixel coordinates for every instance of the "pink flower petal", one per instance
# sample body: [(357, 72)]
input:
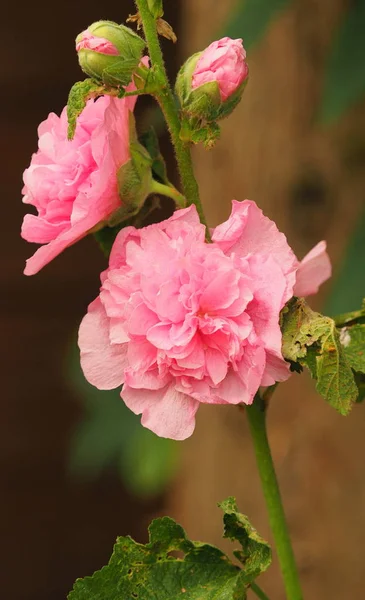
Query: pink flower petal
[(314, 269), (103, 363), (248, 231), (166, 412)]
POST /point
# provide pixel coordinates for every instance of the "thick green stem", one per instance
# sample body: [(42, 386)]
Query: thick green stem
[(257, 421), (170, 191), (167, 102), (259, 592)]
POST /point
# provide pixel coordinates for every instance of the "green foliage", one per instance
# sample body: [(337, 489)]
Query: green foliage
[(79, 94), (344, 81), (312, 340), (150, 572), (251, 19), (110, 435)]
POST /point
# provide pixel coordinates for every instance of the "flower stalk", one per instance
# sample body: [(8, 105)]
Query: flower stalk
[(168, 105), (256, 414)]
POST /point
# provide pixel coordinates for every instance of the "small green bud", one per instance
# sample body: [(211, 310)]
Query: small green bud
[(109, 53), (156, 8)]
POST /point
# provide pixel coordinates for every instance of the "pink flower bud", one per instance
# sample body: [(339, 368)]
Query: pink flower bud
[(88, 41), (224, 62)]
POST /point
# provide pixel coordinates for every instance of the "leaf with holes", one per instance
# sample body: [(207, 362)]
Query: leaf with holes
[(312, 340), (152, 572)]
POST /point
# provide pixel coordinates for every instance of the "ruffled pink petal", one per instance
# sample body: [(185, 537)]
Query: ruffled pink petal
[(276, 369), (46, 253), (103, 363), (314, 269), (248, 231), (167, 412), (37, 230), (88, 41), (242, 384)]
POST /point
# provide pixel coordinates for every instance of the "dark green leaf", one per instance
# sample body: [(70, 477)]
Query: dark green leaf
[(312, 340), (79, 94), (256, 553), (360, 382), (149, 572), (344, 83), (251, 19), (353, 343)]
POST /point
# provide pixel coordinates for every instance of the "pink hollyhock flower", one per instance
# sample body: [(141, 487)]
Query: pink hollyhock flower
[(73, 184), (224, 62), (179, 321)]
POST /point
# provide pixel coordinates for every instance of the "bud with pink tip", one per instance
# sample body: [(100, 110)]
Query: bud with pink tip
[(109, 53), (224, 61), (210, 84)]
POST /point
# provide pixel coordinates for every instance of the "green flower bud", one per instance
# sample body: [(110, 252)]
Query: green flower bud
[(209, 86), (109, 53)]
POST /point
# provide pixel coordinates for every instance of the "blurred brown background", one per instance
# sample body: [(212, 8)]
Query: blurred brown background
[(311, 180)]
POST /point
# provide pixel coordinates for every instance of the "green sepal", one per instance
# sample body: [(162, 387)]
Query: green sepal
[(156, 8), (203, 573), (120, 72), (149, 140), (78, 96), (312, 340)]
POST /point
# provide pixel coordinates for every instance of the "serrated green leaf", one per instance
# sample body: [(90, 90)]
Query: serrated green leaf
[(256, 553), (344, 83), (353, 343), (251, 19), (303, 330), (150, 572), (79, 94)]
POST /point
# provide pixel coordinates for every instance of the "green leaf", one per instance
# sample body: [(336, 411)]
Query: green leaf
[(353, 343), (312, 340), (150, 572), (344, 83), (256, 553), (79, 94), (251, 19)]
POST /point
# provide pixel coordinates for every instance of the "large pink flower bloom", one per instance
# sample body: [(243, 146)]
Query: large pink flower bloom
[(73, 184), (179, 321), (223, 61)]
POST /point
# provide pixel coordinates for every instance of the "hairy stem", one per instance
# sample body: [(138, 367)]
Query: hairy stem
[(257, 421), (167, 102)]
